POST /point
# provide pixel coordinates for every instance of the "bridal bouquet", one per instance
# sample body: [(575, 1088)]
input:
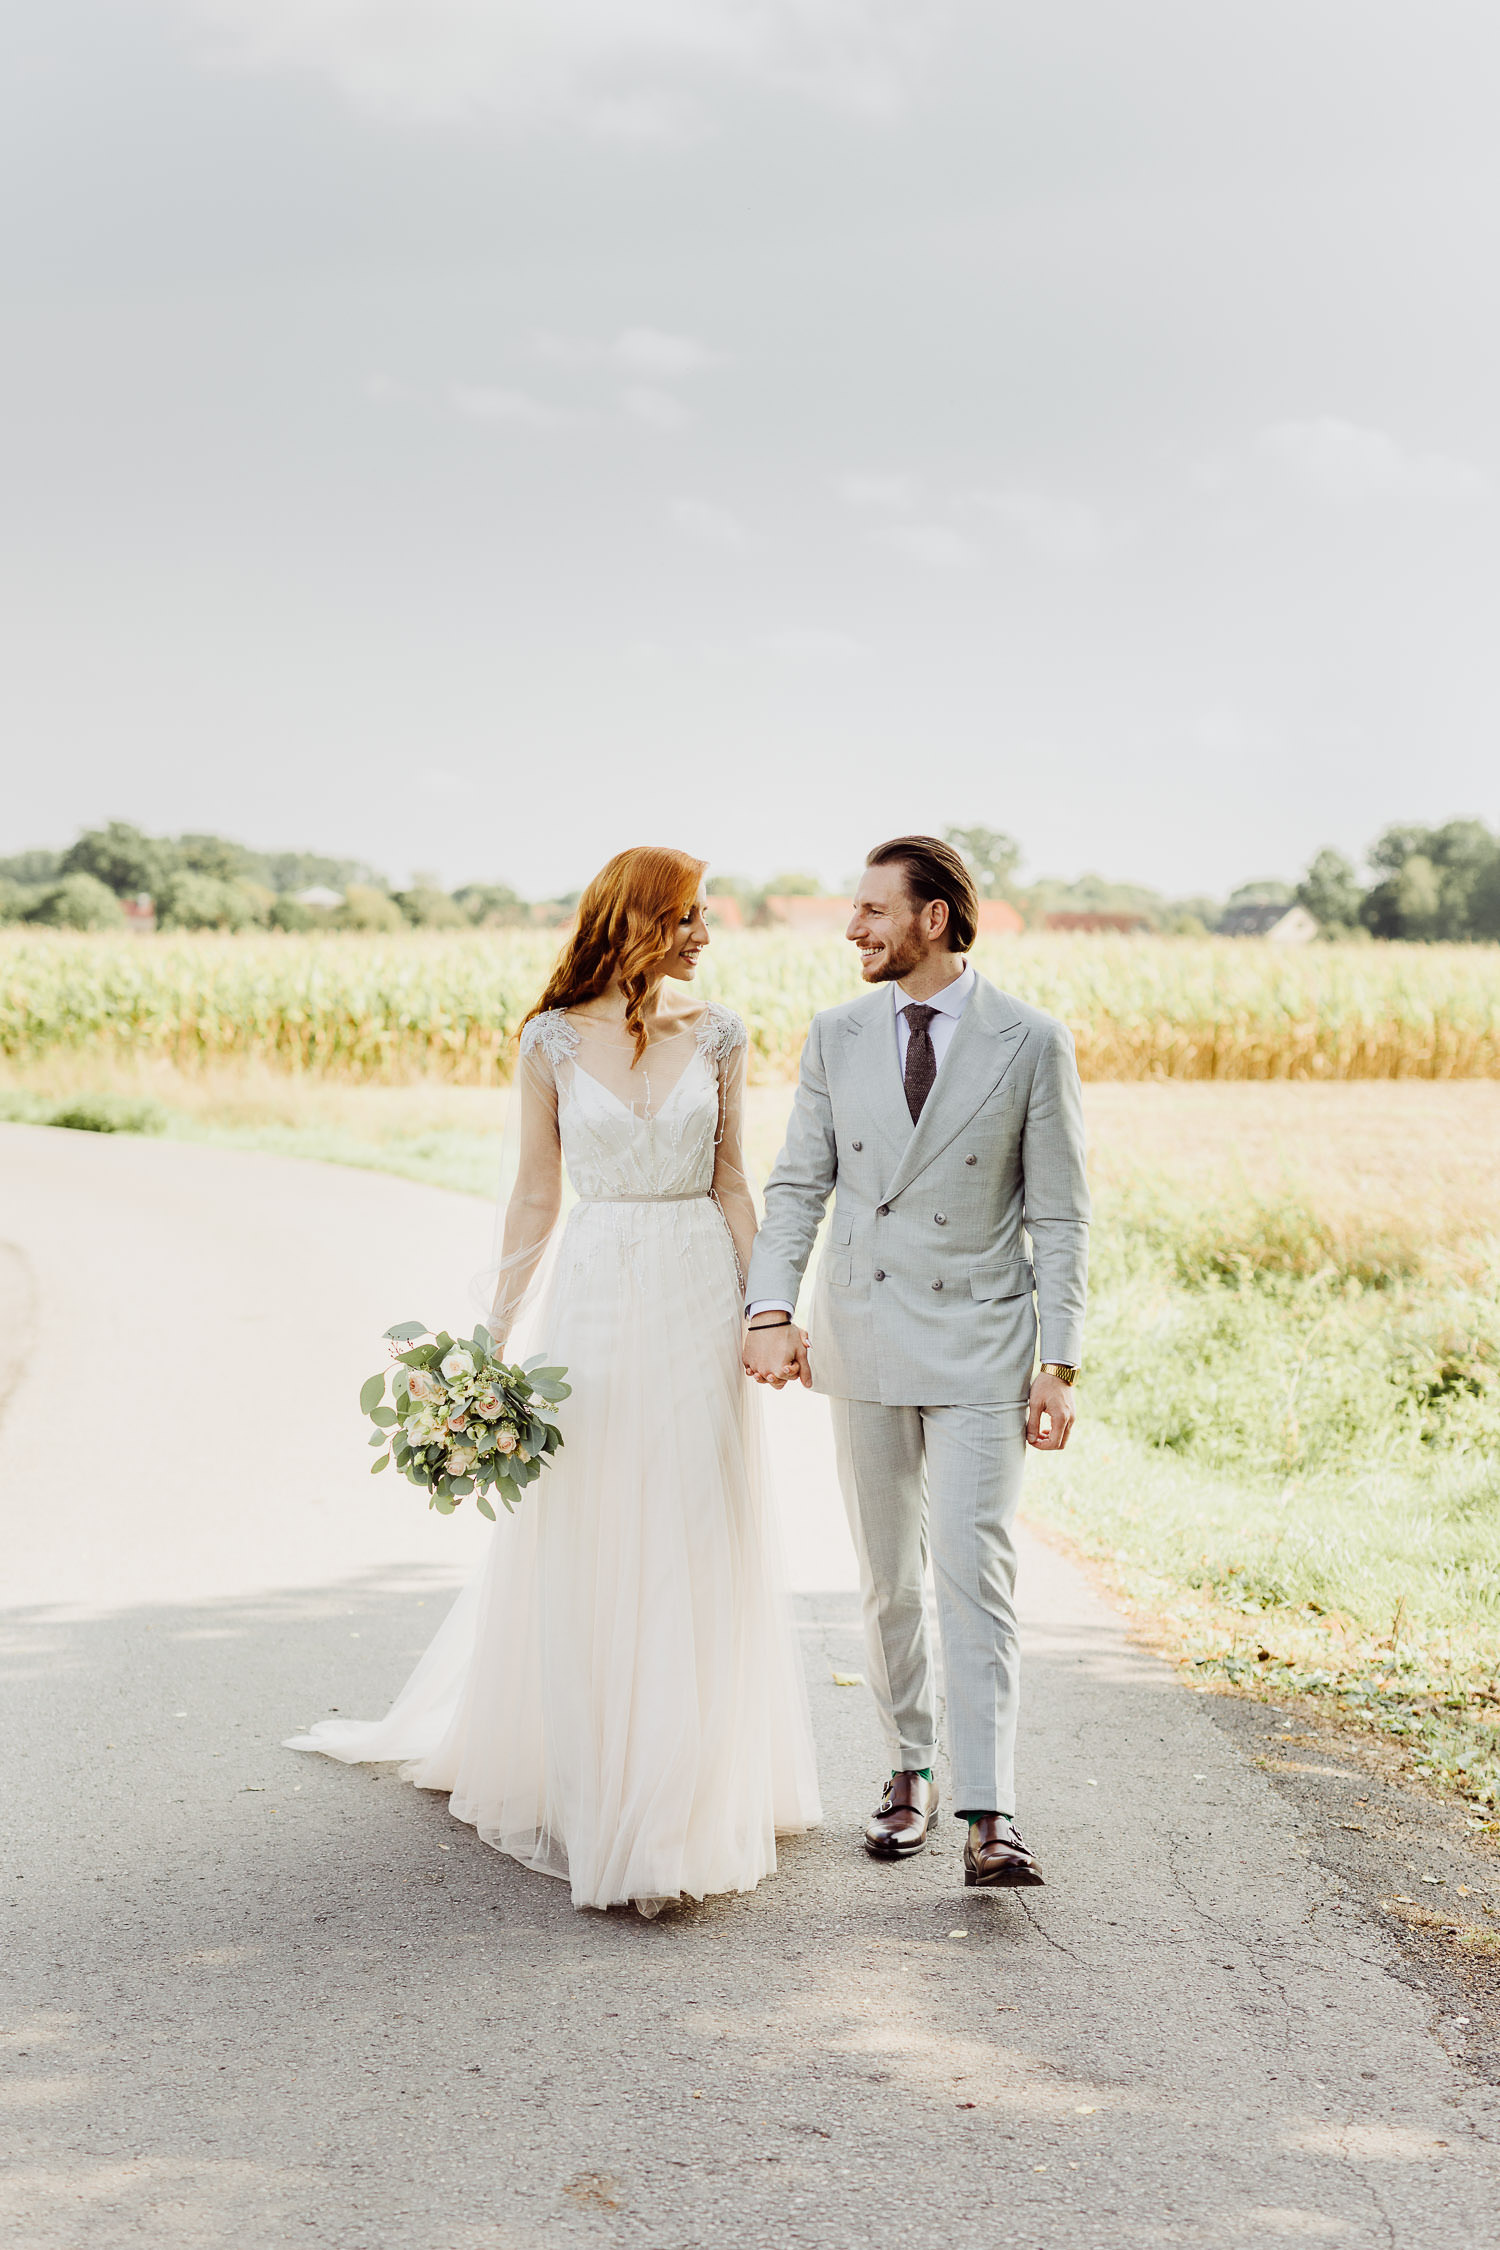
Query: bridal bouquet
[(460, 1420)]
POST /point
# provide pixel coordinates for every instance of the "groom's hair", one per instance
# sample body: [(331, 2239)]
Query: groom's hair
[(934, 870)]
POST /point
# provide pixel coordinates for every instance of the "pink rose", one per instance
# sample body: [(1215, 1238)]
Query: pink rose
[(505, 1441)]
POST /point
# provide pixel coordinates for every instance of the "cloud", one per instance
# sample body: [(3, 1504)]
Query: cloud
[(482, 402), (1067, 530), (659, 410), (936, 546), (1343, 461), (880, 491), (709, 526), (628, 67), (665, 358)]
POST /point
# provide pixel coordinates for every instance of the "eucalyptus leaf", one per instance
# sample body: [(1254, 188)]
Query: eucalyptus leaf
[(484, 1507), (377, 1439), (383, 1463), (529, 1365), (421, 1355), (463, 1485), (404, 1331), (386, 1419), (372, 1394)]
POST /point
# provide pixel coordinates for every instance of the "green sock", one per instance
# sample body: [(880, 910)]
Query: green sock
[(968, 1815), (924, 1771)]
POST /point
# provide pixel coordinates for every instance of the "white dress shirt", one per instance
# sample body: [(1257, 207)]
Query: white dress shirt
[(949, 1005)]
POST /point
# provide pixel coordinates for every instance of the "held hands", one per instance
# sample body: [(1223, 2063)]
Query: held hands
[(777, 1354), (1051, 1414)]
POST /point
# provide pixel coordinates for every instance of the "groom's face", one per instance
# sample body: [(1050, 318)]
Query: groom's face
[(884, 926)]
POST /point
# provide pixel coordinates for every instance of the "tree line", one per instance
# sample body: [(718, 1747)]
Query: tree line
[(1420, 884), (202, 882)]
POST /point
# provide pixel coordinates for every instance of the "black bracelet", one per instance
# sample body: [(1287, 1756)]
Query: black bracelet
[(784, 1322)]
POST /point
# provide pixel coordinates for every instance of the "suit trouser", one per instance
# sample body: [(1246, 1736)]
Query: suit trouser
[(972, 1457)]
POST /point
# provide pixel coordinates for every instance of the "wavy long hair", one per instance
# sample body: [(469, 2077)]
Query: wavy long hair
[(626, 927)]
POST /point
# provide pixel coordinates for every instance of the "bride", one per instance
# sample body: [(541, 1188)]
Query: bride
[(617, 1698)]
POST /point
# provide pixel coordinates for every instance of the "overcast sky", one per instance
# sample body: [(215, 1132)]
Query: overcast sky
[(478, 434)]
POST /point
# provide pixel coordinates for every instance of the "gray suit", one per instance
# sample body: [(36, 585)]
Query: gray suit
[(924, 1333)]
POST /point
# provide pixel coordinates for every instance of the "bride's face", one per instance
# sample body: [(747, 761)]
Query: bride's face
[(691, 938)]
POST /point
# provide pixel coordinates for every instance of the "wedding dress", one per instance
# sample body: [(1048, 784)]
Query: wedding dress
[(617, 1699)]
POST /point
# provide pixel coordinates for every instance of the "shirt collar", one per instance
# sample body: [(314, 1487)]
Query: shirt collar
[(951, 1001)]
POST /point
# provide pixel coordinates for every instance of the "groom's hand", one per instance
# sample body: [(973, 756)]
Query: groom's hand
[(1051, 1401), (777, 1354)]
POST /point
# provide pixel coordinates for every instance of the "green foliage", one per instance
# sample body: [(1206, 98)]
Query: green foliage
[(429, 909), (794, 885), (1434, 883), (122, 858), (84, 1113), (991, 857), (1330, 891), (464, 1421), (365, 908), (78, 902), (493, 906), (31, 870), (189, 901)]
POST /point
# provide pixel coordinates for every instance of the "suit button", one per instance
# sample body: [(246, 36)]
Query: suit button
[(856, 1146), (882, 1210), (937, 1285), (879, 1276), (940, 1218), (967, 1159)]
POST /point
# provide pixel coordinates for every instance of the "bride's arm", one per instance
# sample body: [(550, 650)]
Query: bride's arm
[(731, 1180), (536, 1198)]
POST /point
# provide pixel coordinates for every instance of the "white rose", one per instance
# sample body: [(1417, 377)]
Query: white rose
[(461, 1460), (505, 1441), (457, 1365)]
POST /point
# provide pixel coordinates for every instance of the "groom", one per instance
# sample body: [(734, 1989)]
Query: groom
[(945, 1119)]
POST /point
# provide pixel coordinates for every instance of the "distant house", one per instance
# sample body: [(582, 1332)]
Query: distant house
[(815, 916), (724, 913), (318, 894), (998, 918), (139, 913), (1124, 925), (1283, 925)]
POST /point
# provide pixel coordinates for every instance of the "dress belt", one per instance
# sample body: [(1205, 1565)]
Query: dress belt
[(691, 1195)]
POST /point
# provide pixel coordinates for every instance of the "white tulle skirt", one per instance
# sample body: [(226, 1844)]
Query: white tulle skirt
[(617, 1698)]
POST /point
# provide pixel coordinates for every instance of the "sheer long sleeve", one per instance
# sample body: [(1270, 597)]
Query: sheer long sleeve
[(536, 1198), (731, 1179)]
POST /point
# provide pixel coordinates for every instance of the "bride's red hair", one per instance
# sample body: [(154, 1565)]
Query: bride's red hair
[(626, 927)]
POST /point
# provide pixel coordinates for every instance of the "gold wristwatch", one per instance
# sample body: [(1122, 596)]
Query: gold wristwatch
[(1056, 1367)]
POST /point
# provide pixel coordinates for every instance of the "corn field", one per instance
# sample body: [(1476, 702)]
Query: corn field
[(448, 1007)]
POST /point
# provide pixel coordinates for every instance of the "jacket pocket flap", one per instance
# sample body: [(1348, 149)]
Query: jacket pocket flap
[(843, 1229), (1011, 1278)]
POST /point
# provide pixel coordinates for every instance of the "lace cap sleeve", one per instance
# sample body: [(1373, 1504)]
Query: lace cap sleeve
[(550, 1034), (721, 1032)]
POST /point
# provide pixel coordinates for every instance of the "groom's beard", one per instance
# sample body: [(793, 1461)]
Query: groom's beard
[(900, 957)]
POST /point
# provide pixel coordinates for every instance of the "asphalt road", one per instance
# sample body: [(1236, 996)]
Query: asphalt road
[(248, 1998)]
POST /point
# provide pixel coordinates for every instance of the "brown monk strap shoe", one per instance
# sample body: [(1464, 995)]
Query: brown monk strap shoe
[(995, 1856), (901, 1820)]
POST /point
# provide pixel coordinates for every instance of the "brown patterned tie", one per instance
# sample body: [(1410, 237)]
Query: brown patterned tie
[(921, 1062)]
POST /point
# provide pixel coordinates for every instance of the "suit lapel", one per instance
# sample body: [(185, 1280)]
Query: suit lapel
[(872, 1032), (985, 1044)]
